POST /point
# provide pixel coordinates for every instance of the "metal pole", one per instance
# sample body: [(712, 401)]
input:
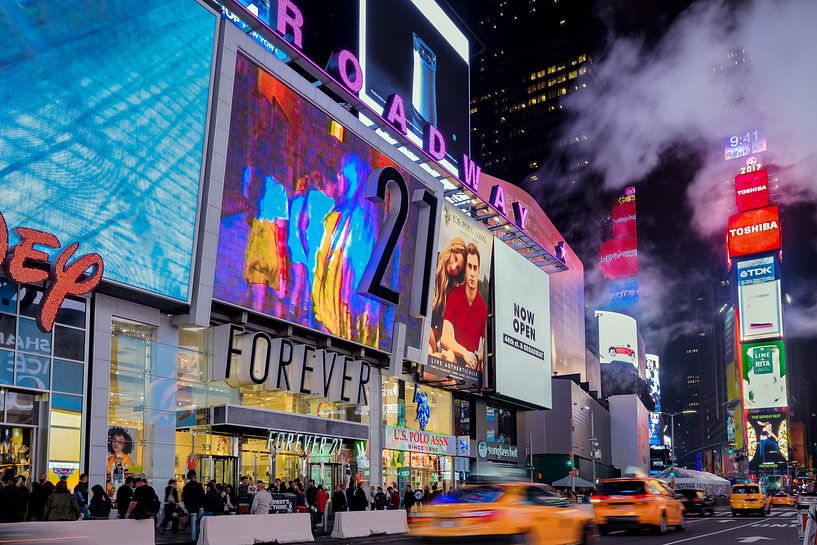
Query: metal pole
[(672, 433), (593, 444)]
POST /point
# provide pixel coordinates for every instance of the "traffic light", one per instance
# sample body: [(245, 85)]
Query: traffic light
[(570, 460)]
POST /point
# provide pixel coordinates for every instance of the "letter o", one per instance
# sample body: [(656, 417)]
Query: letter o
[(345, 67)]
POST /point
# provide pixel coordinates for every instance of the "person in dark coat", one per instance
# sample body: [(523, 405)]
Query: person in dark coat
[(61, 505), (338, 499), (212, 501), (380, 499), (124, 495), (9, 499), (350, 495), (36, 501), (193, 498), (394, 498), (312, 495), (100, 505), (408, 498), (360, 503)]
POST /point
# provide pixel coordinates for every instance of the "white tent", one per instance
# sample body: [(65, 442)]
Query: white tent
[(699, 480), (572, 482)]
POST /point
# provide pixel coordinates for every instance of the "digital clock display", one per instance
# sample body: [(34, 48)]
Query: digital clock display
[(744, 144)]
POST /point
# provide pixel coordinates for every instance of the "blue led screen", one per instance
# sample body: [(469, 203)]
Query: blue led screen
[(102, 122)]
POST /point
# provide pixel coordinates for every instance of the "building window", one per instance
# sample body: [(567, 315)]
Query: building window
[(500, 426), (462, 417)]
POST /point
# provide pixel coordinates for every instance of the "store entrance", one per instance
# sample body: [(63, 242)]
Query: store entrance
[(326, 474), (221, 469), (16, 450)]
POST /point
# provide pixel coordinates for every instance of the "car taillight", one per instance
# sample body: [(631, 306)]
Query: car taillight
[(643, 497), (484, 516), (597, 499)]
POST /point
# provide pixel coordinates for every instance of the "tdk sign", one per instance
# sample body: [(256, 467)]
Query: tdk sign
[(756, 271)]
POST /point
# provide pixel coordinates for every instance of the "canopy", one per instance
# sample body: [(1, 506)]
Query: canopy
[(572, 482), (699, 480)]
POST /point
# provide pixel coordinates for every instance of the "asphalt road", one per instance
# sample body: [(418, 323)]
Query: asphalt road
[(779, 528)]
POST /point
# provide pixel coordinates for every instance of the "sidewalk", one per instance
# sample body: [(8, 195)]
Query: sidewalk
[(184, 539)]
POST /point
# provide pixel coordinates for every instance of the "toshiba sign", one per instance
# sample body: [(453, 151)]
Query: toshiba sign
[(754, 232), (752, 190)]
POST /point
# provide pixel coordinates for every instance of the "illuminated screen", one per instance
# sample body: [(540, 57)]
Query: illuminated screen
[(297, 230), (654, 384), (618, 338), (761, 311), (767, 439), (764, 375), (754, 232), (102, 123)]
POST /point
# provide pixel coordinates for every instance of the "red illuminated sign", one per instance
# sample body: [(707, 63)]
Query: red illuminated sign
[(752, 190), (624, 219), (27, 264), (619, 257), (754, 232)]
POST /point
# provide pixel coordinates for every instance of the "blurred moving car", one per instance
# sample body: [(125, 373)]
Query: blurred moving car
[(504, 513), (637, 503), (697, 501), (783, 500), (806, 500), (749, 498)]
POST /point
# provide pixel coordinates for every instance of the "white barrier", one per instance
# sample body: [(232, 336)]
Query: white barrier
[(349, 524), (86, 532), (251, 529)]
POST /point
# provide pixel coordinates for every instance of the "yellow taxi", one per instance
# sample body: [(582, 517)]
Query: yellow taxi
[(781, 499), (504, 513), (637, 503), (749, 498)]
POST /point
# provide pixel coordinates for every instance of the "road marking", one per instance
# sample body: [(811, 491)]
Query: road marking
[(752, 539), (709, 534)]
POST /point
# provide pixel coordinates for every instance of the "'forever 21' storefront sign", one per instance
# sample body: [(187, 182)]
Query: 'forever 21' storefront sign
[(246, 359)]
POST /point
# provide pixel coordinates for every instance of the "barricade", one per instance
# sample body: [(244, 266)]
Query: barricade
[(86, 532), (251, 529), (350, 524)]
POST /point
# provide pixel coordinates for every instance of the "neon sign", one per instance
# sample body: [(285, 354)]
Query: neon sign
[(27, 264)]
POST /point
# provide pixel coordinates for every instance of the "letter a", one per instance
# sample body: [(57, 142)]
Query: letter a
[(396, 113)]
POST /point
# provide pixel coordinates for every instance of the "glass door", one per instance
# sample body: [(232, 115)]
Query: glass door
[(225, 470)]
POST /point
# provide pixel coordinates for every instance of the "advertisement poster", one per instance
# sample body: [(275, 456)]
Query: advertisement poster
[(618, 338), (754, 232), (767, 439), (752, 190), (415, 50), (121, 459), (521, 328), (297, 230), (459, 310), (654, 384), (756, 271), (761, 311), (104, 147), (618, 257), (764, 375)]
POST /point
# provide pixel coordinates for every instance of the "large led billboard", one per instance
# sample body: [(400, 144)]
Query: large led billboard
[(654, 384), (413, 49), (767, 439), (756, 271), (761, 311), (618, 338), (300, 226), (521, 328), (743, 144), (752, 190), (753, 232), (102, 129), (461, 292), (764, 375), (619, 257)]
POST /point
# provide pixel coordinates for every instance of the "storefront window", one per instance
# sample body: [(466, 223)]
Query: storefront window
[(65, 438), (400, 403), (462, 417), (500, 426)]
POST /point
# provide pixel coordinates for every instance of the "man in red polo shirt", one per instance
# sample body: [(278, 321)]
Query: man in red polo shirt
[(465, 316)]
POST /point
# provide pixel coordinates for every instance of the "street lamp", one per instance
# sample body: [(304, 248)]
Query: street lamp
[(672, 429)]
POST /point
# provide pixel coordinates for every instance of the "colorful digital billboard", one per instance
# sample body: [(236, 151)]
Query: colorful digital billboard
[(414, 49), (618, 338), (653, 380), (619, 257), (764, 375), (767, 439), (521, 328), (743, 144), (461, 292), (298, 232), (753, 232), (752, 190), (761, 311), (756, 271), (102, 143)]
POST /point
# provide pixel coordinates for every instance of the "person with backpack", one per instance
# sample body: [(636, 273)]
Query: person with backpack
[(100, 506), (145, 503)]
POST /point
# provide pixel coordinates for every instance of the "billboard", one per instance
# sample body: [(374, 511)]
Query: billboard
[(299, 229), (521, 328), (413, 49), (623, 293), (618, 338), (756, 271), (654, 384), (743, 144), (104, 147), (753, 232), (734, 426), (459, 310), (764, 375), (624, 219), (619, 257), (767, 439), (760, 311), (752, 190)]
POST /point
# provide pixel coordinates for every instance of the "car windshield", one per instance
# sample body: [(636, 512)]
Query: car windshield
[(474, 494), (621, 488), (688, 493), (747, 489)]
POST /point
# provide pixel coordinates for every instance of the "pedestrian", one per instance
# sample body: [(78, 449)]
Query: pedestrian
[(394, 497), (359, 501), (435, 492), (426, 498), (9, 499), (370, 496), (380, 499), (124, 495), (81, 495), (193, 498), (100, 505), (409, 498), (290, 487), (262, 502), (339, 499), (228, 499), (321, 499), (171, 507), (22, 498), (61, 504), (350, 495), (280, 487), (38, 497), (243, 486), (145, 503), (300, 499), (312, 496), (212, 501)]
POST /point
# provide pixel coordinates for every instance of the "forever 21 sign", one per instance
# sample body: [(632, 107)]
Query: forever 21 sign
[(247, 359)]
